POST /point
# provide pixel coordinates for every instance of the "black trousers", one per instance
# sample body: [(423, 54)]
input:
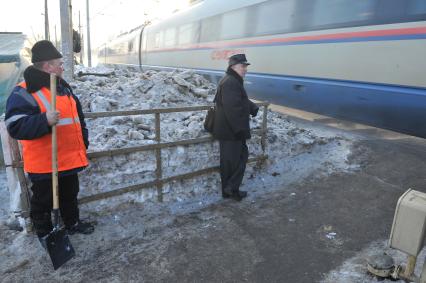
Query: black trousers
[(233, 159), (42, 203)]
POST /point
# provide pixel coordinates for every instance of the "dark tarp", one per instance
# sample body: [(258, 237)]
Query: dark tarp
[(12, 63), (11, 45)]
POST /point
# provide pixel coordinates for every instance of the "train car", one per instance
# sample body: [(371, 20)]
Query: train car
[(360, 60)]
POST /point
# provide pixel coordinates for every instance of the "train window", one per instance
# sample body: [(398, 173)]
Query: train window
[(130, 46), (339, 12), (145, 40), (210, 28), (151, 41), (274, 17), (169, 37), (158, 39), (233, 24), (390, 11), (416, 7), (186, 33), (122, 48), (397, 11)]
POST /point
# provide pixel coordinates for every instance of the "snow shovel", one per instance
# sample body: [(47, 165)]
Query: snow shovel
[(57, 242)]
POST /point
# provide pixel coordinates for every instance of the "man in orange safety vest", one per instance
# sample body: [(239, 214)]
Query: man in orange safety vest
[(29, 119)]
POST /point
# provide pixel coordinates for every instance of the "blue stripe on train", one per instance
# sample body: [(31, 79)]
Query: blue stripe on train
[(397, 108)]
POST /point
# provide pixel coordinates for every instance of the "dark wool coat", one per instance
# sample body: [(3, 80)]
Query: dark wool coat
[(233, 109)]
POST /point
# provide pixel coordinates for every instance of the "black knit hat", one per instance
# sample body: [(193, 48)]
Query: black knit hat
[(44, 50)]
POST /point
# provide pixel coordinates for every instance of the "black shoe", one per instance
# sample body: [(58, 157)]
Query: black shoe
[(42, 224), (81, 228), (42, 241), (242, 194), (236, 197), (227, 192)]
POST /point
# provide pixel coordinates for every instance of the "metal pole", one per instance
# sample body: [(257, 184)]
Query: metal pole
[(56, 39), (46, 21), (89, 54), (264, 128), (66, 40), (159, 171), (79, 34)]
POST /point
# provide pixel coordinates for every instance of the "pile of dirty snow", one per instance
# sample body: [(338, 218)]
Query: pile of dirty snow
[(304, 149)]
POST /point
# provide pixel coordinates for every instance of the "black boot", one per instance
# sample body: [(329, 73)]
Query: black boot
[(42, 224), (81, 228), (235, 195), (43, 242), (227, 192), (242, 194)]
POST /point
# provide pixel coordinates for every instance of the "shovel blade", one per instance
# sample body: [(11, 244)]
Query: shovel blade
[(59, 247)]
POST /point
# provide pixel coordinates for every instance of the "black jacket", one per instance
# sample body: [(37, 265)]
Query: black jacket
[(233, 109)]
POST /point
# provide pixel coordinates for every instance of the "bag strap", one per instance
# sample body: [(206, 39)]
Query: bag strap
[(218, 97)]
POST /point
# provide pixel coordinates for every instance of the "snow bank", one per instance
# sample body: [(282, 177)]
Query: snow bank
[(127, 89)]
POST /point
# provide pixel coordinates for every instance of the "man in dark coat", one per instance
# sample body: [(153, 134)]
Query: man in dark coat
[(231, 126)]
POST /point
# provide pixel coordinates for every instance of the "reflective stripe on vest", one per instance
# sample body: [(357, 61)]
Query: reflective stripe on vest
[(71, 149), (46, 104)]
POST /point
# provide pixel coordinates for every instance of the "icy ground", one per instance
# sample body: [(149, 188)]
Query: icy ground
[(296, 150), (353, 270)]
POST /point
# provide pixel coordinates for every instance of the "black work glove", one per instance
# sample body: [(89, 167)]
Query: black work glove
[(86, 143), (254, 112), (240, 135)]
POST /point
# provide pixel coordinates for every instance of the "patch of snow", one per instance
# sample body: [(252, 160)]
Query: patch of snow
[(354, 270)]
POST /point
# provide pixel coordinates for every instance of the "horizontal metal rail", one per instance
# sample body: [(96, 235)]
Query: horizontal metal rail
[(152, 184), (154, 146), (153, 111)]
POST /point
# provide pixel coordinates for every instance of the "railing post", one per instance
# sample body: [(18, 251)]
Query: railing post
[(15, 174), (159, 170), (264, 128)]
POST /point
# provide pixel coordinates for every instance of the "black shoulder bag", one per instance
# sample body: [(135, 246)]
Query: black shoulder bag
[(209, 120)]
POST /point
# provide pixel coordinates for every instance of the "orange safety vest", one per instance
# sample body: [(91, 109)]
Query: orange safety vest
[(37, 153)]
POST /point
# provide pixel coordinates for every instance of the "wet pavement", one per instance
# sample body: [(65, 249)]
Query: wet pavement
[(301, 233)]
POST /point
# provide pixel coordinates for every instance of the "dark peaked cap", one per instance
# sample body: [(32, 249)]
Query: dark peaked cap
[(238, 59), (44, 50)]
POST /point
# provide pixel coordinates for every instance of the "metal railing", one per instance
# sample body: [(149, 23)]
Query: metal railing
[(159, 180), (17, 163)]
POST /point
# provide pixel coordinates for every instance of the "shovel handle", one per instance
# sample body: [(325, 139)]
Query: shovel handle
[(54, 145)]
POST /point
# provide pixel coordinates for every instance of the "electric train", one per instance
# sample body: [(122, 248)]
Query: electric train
[(359, 60)]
